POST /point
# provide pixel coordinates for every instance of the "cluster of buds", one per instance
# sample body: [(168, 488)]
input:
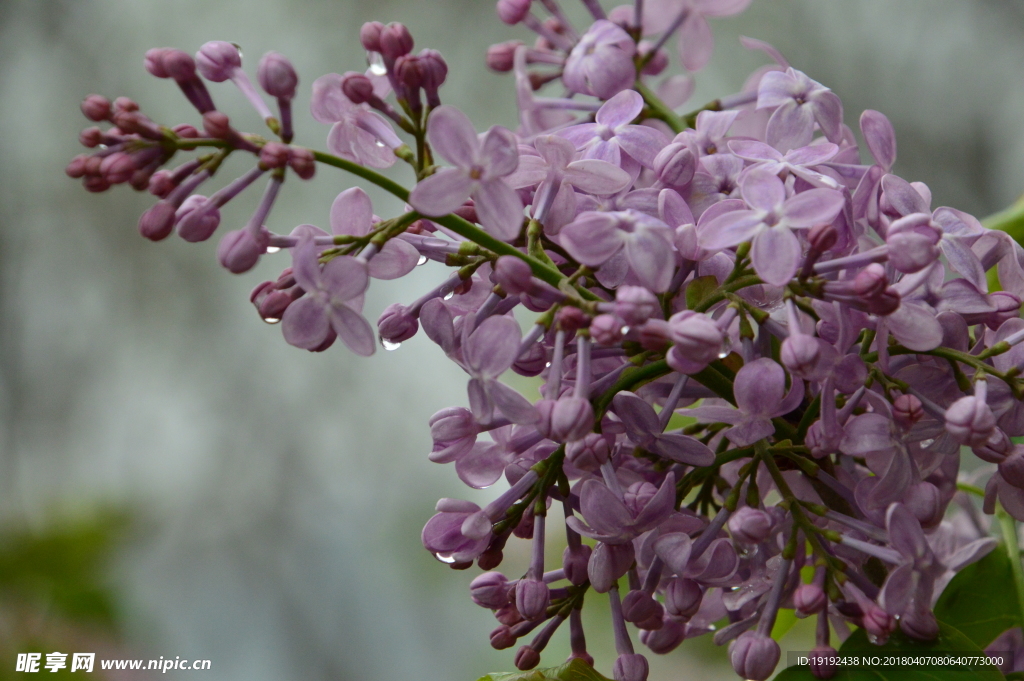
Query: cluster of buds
[(759, 352)]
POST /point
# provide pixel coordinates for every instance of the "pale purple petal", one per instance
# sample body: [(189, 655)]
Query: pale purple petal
[(557, 151), (775, 254), (897, 590), (776, 89), (695, 42), (344, 278), (828, 111), (479, 400), (592, 238), (596, 177), (620, 109), (763, 190), (759, 386), (499, 208), (673, 209), (730, 229), (499, 152), (532, 170), (328, 104), (395, 260), (915, 326), (304, 324), (351, 142), (962, 259), (674, 549), (791, 126), (812, 154), (879, 137), (514, 406), (659, 507), (636, 415), (481, 467), (351, 213), (453, 136), (580, 134), (866, 433), (813, 207), (684, 449), (904, 198), (352, 329), (651, 258), (436, 321), (714, 414), (492, 347), (604, 511), (442, 192), (752, 150), (641, 142), (749, 432), (305, 266)]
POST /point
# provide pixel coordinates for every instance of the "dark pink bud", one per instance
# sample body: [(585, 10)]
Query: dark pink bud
[(274, 155), (1007, 307), (527, 658), (218, 60), (467, 212), (571, 319), (532, 598), (635, 304), (397, 324), (809, 599), (683, 597), (907, 410), (239, 251), (754, 656), (197, 219), (574, 562), (532, 362), (90, 137), (588, 453), (750, 525), (884, 304), (76, 168), (1012, 468), (217, 124), (489, 590), (395, 41), (639, 606), (357, 87), (117, 167), (666, 639), (507, 614), (675, 165), (409, 70), (606, 329), (96, 108), (925, 501), (502, 638), (122, 104), (435, 69), (185, 130), (489, 559), (878, 623), (369, 35), (277, 76), (870, 281), (657, 63), (179, 65), (155, 62), (271, 308), (161, 183), (800, 354), (822, 663), (302, 161), (513, 275), (630, 667), (95, 183), (157, 222), (501, 55), (513, 11), (822, 238), (970, 421)]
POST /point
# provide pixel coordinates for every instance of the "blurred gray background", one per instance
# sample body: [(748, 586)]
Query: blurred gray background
[(279, 494)]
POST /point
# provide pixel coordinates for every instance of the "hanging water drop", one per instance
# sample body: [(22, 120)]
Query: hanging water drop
[(421, 261), (272, 249), (722, 354), (624, 330), (449, 295), (925, 444), (376, 62), (271, 320), (445, 558), (388, 345)]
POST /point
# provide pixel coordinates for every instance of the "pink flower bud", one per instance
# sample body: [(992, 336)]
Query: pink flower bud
[(527, 658), (750, 525), (1007, 307), (885, 303), (588, 453), (606, 329), (630, 667), (239, 251), (657, 63), (513, 275), (155, 62), (409, 70), (369, 35), (532, 598), (179, 65), (507, 614), (970, 421), (489, 590), (638, 606), (800, 354), (96, 108), (197, 220), (502, 638), (571, 319), (878, 623), (161, 183), (911, 251), (683, 597), (217, 124), (655, 335), (822, 238), (274, 155), (185, 130), (574, 562), (395, 41), (698, 341), (117, 167), (907, 410), (754, 656), (302, 161), (157, 222), (635, 304), (277, 76), (218, 60), (513, 11), (76, 168), (809, 599), (397, 324), (870, 281), (666, 639), (822, 662), (565, 419), (357, 88), (675, 165), (501, 55)]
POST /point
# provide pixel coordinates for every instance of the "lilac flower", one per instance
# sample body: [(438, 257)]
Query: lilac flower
[(611, 520), (695, 39), (908, 589), (593, 238), (358, 134), (775, 250), (760, 390), (488, 352), (332, 304), (801, 102), (644, 428), (479, 167), (445, 535), (601, 64), (612, 135), (352, 215), (795, 161), (708, 136)]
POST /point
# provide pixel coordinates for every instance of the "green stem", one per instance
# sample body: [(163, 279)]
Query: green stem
[(725, 289), (659, 109), (1009, 527)]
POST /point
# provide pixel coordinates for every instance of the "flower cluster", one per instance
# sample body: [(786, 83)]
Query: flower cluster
[(759, 352)]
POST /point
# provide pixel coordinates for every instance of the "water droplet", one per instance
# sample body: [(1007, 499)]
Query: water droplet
[(547, 365), (271, 320), (421, 261), (376, 62), (389, 346), (239, 48), (445, 558), (272, 249), (101, 146), (449, 295), (723, 354), (380, 144), (624, 330), (927, 443)]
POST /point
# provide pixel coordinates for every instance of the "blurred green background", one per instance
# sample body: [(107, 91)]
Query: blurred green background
[(177, 481)]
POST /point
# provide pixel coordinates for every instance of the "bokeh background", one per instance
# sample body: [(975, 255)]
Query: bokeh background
[(175, 480)]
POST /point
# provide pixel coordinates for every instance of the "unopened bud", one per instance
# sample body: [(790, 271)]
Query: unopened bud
[(96, 108), (970, 421), (822, 662), (513, 275), (1012, 468), (157, 222), (277, 76), (750, 525), (500, 57), (630, 667), (369, 35), (527, 658), (907, 410), (218, 60), (754, 655), (683, 597), (574, 562), (502, 638), (532, 598), (239, 251), (489, 590), (588, 453), (822, 238), (397, 324), (635, 304), (513, 11), (639, 606), (395, 41), (606, 329), (800, 354), (302, 161), (675, 165), (809, 599), (197, 219)]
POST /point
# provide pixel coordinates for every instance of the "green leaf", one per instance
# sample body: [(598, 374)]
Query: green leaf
[(699, 289), (950, 641), (573, 670), (979, 601), (1015, 676)]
